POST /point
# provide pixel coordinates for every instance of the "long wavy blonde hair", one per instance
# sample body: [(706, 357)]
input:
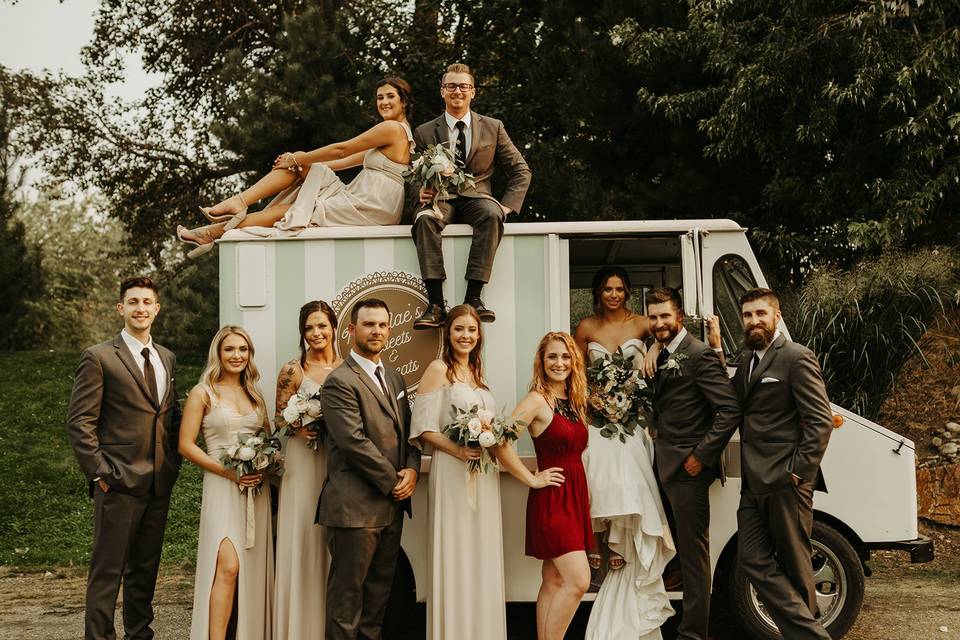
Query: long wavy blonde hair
[(249, 377), (576, 382)]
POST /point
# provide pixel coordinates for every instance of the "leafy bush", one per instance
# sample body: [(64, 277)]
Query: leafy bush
[(866, 322)]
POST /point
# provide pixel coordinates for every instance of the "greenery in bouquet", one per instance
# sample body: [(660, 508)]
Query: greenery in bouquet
[(620, 398), (436, 169), (303, 411), (481, 429), (258, 453)]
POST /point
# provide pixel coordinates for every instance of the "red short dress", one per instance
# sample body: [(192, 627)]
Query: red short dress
[(558, 518)]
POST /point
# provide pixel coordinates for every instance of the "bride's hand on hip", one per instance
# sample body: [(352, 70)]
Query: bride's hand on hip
[(467, 454), (551, 477)]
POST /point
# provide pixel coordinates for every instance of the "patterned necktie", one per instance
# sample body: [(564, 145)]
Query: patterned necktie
[(149, 376), (461, 148)]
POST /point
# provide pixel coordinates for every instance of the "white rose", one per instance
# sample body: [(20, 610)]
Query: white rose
[(291, 414), (246, 453), (486, 416), (314, 409), (302, 404), (232, 450), (261, 461), (255, 441), (474, 426), (486, 439)]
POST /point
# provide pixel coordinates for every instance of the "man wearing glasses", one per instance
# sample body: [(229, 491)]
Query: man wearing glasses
[(479, 143)]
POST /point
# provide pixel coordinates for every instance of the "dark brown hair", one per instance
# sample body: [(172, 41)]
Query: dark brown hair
[(665, 294), (600, 281), (137, 281), (760, 293), (475, 360), (312, 307), (367, 303), (403, 90)]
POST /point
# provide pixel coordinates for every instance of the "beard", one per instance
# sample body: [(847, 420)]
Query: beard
[(666, 333), (758, 336)]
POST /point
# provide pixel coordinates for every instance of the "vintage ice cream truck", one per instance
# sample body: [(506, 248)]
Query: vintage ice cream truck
[(540, 282)]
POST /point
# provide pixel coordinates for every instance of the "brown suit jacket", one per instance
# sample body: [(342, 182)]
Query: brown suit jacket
[(787, 419), (367, 438), (490, 146), (116, 430)]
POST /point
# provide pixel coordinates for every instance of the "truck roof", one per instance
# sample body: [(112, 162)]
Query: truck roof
[(586, 227)]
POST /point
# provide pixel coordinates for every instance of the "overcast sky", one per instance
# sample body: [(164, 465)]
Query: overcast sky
[(48, 34)]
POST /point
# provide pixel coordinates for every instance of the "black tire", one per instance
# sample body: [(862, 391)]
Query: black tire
[(839, 580), (400, 620)]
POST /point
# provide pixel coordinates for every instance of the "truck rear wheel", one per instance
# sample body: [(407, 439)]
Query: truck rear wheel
[(838, 579)]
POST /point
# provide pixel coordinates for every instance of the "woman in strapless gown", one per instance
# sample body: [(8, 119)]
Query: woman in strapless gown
[(625, 502), (309, 193), (303, 558), (235, 546)]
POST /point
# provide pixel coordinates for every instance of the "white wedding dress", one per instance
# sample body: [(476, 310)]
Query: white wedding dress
[(625, 502)]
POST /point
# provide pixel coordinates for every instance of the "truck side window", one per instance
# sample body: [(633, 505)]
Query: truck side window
[(731, 278)]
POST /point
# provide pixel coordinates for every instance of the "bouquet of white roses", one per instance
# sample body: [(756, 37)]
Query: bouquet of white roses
[(481, 428), (303, 411), (254, 454), (437, 169), (619, 396)]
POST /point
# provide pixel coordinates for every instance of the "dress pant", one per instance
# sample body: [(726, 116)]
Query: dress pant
[(688, 499), (774, 551), (486, 218), (127, 542), (362, 564)]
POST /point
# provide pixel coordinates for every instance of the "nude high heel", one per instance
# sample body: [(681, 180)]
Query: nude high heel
[(201, 247), (231, 219)]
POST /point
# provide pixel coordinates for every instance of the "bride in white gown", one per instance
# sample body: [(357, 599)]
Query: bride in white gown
[(625, 504)]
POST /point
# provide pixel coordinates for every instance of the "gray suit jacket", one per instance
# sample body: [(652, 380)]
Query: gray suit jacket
[(787, 420), (367, 439), (695, 412), (116, 430), (490, 146)]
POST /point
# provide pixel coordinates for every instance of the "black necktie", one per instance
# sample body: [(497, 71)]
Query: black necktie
[(662, 358), (461, 148), (754, 364), (149, 376)]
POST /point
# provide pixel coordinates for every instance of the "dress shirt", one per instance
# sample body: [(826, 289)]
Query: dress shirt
[(135, 347), (467, 132), (370, 368), (762, 352), (677, 339)]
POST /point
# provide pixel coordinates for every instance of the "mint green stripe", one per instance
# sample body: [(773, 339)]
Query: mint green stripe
[(348, 261), (289, 297), (405, 256), (461, 253), (229, 311), (528, 264)]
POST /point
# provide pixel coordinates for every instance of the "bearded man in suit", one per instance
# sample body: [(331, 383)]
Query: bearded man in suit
[(372, 473), (696, 412), (479, 144), (123, 423), (787, 422)]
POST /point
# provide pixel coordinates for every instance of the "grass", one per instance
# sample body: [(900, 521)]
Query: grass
[(46, 519)]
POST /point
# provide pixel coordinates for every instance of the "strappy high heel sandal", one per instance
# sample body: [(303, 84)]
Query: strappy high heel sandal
[(232, 219), (201, 247)]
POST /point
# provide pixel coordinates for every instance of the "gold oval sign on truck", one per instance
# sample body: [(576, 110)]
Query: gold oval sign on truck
[(407, 351)]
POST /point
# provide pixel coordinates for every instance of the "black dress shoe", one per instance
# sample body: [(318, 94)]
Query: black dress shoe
[(432, 318), (486, 315)]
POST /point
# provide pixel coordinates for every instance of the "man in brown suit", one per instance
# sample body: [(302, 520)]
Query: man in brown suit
[(479, 144), (787, 422), (123, 424), (372, 471)]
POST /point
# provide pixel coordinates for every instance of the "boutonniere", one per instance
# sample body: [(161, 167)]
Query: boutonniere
[(672, 365)]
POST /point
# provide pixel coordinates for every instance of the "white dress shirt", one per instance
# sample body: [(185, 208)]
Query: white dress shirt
[(467, 132), (135, 347), (762, 352), (677, 339), (370, 368)]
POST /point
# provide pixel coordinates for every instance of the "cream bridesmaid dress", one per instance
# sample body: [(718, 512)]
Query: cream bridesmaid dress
[(224, 515), (302, 556), (465, 595)]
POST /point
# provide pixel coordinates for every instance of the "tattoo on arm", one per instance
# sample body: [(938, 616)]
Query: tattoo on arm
[(285, 389)]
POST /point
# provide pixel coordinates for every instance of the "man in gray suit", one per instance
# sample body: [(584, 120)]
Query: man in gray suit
[(787, 422), (695, 411), (372, 472), (123, 423), (479, 143)]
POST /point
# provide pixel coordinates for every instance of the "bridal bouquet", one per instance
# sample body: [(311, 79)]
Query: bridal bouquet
[(481, 428), (619, 396), (254, 454), (303, 411), (436, 169)]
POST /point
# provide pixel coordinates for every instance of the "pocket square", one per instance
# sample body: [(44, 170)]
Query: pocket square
[(402, 393), (766, 380)]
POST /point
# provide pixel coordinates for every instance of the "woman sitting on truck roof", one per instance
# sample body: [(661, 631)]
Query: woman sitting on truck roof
[(309, 193)]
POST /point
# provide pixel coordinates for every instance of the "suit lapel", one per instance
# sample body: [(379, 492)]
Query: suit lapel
[(441, 132), (768, 359), (168, 367), (374, 389), (743, 372), (127, 359)]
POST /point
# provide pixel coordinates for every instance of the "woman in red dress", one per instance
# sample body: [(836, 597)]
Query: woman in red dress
[(559, 531)]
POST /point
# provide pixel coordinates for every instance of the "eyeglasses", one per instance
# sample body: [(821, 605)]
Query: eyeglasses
[(453, 86)]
